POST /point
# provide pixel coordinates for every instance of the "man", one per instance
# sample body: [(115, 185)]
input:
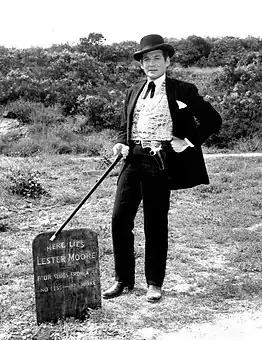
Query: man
[(164, 123)]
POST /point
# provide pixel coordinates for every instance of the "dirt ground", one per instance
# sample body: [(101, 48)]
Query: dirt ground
[(240, 326)]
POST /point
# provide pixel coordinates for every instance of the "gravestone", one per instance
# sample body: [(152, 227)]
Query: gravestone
[(66, 274)]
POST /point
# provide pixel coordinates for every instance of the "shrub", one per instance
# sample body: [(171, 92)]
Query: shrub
[(101, 143), (59, 146), (223, 49), (80, 146), (25, 182), (191, 50), (95, 144), (99, 112), (241, 103), (94, 147), (248, 144), (241, 116), (23, 147), (21, 110), (34, 113)]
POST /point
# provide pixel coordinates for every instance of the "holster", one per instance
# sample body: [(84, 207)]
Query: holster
[(161, 156)]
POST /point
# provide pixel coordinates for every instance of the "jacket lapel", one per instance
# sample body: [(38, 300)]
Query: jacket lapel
[(134, 96), (171, 93), (131, 105)]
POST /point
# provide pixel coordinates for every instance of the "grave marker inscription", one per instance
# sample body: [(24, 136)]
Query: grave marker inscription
[(66, 275)]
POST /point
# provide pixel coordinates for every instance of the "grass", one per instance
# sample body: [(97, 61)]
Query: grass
[(214, 261)]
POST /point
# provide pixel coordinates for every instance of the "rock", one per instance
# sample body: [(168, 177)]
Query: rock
[(7, 125), (12, 129)]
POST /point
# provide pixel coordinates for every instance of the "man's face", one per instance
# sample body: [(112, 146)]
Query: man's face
[(154, 64)]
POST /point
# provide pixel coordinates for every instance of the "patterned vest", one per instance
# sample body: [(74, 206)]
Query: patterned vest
[(152, 119)]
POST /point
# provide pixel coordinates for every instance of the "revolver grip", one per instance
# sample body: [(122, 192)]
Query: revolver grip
[(161, 158)]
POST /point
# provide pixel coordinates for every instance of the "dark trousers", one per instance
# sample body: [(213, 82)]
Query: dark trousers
[(141, 179)]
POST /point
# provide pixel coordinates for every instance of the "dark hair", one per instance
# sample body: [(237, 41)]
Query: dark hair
[(164, 52)]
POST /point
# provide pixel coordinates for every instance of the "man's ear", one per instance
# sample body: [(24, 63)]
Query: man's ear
[(141, 64), (167, 61)]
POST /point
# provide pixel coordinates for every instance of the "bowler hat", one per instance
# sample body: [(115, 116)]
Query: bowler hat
[(153, 42)]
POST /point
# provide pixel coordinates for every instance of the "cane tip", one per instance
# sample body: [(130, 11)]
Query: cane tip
[(52, 238)]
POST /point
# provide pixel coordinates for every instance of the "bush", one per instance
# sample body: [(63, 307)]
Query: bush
[(23, 147), (241, 116), (248, 144), (21, 110), (94, 144), (58, 146), (99, 112), (100, 143), (25, 183), (31, 113), (191, 51), (240, 105)]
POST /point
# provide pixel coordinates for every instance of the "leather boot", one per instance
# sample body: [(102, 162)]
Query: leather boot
[(153, 293), (116, 290)]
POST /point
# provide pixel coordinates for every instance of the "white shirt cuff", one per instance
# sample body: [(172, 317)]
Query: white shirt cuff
[(189, 143)]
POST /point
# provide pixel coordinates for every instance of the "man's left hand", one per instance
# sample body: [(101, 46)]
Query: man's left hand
[(179, 145)]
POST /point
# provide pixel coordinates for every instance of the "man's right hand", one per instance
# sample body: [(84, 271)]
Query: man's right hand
[(121, 148)]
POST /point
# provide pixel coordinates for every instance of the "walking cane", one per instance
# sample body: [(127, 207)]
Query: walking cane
[(87, 196)]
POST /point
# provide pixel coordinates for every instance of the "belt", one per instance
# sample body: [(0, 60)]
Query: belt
[(149, 143)]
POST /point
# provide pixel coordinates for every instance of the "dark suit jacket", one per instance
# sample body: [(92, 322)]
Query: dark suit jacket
[(196, 122)]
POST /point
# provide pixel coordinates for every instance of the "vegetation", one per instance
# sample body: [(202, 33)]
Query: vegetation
[(25, 182), (64, 94)]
